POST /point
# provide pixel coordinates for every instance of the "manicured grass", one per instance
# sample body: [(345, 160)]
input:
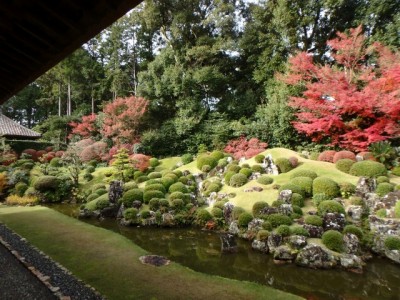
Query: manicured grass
[(168, 163), (110, 263)]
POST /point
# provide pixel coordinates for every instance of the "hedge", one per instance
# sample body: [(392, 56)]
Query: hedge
[(344, 165), (333, 240), (330, 206), (327, 186)]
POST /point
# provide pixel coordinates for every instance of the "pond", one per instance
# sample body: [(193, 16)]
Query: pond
[(201, 251)]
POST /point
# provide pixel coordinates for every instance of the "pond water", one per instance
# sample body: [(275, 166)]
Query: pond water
[(201, 251)]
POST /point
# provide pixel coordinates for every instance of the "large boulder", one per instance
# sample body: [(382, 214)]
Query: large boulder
[(284, 253), (314, 231), (228, 209), (286, 209), (333, 221), (274, 241), (390, 199), (393, 255), (297, 241), (351, 262), (228, 243), (365, 185), (285, 196), (351, 243), (260, 246), (355, 212), (234, 228), (115, 192), (314, 256)]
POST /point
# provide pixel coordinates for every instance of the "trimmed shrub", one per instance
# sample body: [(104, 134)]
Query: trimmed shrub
[(153, 162), (177, 204), (330, 206), (262, 235), (277, 203), (238, 180), (294, 188), (344, 155), (265, 180), (167, 182), (98, 186), (257, 169), (236, 212), (91, 197), (306, 183), (297, 199), (294, 161), (223, 162), (154, 175), (392, 243), (164, 203), (327, 186), (313, 220), (384, 188), (381, 213), (278, 219), (132, 195), (257, 207), (233, 168), (203, 216), (355, 200), (283, 230), (183, 179), (178, 173), (88, 176), (178, 187), (137, 174), (228, 175), (327, 156), (206, 168), (102, 203), (130, 185), (206, 160), (217, 155), (318, 198), (347, 189), (100, 192), (155, 187), (187, 158), (145, 214), (244, 219), (297, 210), (283, 164), (154, 204), (171, 175), (259, 158), (314, 155), (344, 165), (46, 183), (176, 195), (56, 163), (142, 178), (246, 171), (298, 230), (89, 169), (219, 204), (382, 179), (396, 171), (266, 225), (354, 230), (368, 168), (212, 187), (333, 240), (148, 195), (217, 212), (303, 173), (20, 188), (131, 214)]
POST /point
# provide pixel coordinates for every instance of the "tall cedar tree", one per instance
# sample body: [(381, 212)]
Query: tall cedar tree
[(353, 101)]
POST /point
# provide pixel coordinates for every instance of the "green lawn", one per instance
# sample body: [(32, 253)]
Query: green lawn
[(110, 263)]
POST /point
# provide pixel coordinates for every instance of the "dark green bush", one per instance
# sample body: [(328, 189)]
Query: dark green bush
[(259, 158), (187, 158), (88, 176), (217, 212), (298, 230), (297, 210), (297, 199), (236, 212), (171, 175), (148, 195), (333, 240), (382, 179), (283, 164), (155, 187), (244, 219), (206, 160), (257, 169), (178, 187), (238, 180), (131, 214), (327, 186), (206, 168), (164, 203), (56, 163), (20, 188), (178, 173), (167, 182), (257, 207), (132, 195), (347, 189), (203, 216), (384, 188), (265, 180), (355, 200), (130, 185), (183, 179), (330, 206), (306, 183), (392, 243), (294, 188), (176, 195), (313, 220), (137, 174), (154, 204), (318, 198), (101, 192), (344, 165), (178, 203), (283, 230), (277, 203), (246, 171), (354, 230), (266, 225), (233, 168), (368, 168), (278, 219), (142, 179), (213, 187), (102, 203), (46, 183), (89, 169), (145, 214), (217, 155), (303, 173)]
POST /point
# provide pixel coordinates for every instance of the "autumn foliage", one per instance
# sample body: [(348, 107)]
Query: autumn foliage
[(140, 161), (87, 128), (242, 147), (352, 102)]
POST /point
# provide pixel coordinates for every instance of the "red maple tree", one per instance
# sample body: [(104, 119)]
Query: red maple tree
[(353, 101), (242, 147), (87, 128)]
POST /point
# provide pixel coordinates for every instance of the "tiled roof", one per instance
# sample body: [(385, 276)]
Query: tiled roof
[(10, 128)]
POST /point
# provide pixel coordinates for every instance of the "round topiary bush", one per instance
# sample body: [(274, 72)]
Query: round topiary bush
[(327, 156), (154, 175), (313, 220), (217, 212), (354, 230), (228, 175), (330, 206), (102, 203), (257, 169), (238, 180), (283, 164), (148, 195), (236, 212), (101, 192), (278, 219), (91, 197), (56, 163), (396, 171), (183, 179), (167, 182), (130, 185), (131, 214), (89, 169), (145, 214), (203, 216), (206, 160), (297, 199), (223, 162), (46, 183), (303, 173), (327, 186), (262, 235), (176, 195), (368, 168), (299, 230), (132, 195), (212, 187), (233, 168), (171, 175), (344, 165), (257, 207), (265, 180), (187, 158), (155, 187), (259, 158), (20, 188), (137, 174), (333, 240), (293, 187), (142, 179), (177, 204), (392, 243), (283, 230), (347, 189), (344, 155), (244, 219), (217, 155), (384, 188), (164, 203), (294, 161), (154, 162), (246, 171), (306, 183), (178, 187), (315, 155), (98, 186), (382, 179), (154, 204), (318, 198)]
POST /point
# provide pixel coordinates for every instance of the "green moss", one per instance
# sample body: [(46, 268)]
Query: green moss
[(384, 188), (392, 243), (313, 220), (330, 206), (327, 186), (333, 240), (368, 168), (354, 230), (344, 165), (265, 180), (244, 219)]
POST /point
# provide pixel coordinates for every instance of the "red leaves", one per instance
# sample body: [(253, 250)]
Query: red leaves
[(140, 161), (87, 128), (242, 147)]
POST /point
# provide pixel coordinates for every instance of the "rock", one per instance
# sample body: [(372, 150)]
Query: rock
[(351, 262), (285, 209), (167, 220), (351, 243), (234, 228), (228, 243), (365, 185), (373, 201), (355, 212), (120, 213), (285, 196), (269, 210), (333, 221), (137, 204), (384, 226), (393, 255), (298, 241), (274, 241), (314, 256), (285, 253), (109, 212), (255, 225), (258, 188), (390, 199), (124, 222), (115, 192), (228, 208), (314, 231), (260, 246), (149, 221)]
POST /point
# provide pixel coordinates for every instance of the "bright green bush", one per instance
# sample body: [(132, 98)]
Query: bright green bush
[(145, 214), (257, 169), (148, 195), (298, 230), (102, 203), (178, 204), (262, 235), (313, 220), (283, 164), (167, 182), (327, 186), (347, 189), (223, 162), (98, 186), (238, 180), (382, 179), (236, 212), (91, 197), (293, 187), (344, 165), (246, 171), (396, 171), (283, 230), (130, 185), (233, 168), (219, 204), (333, 240), (217, 212), (259, 158), (154, 175), (330, 206), (354, 230), (154, 162), (154, 204), (152, 181), (155, 187), (257, 207), (381, 213), (265, 180), (303, 173), (368, 168), (318, 198), (217, 155), (213, 187), (178, 173), (384, 188), (131, 214), (178, 187), (176, 195), (100, 192), (278, 219), (20, 188), (203, 216), (187, 158), (314, 155), (132, 195), (228, 175), (46, 183), (142, 179), (297, 199), (183, 179), (306, 183), (244, 219), (392, 243), (137, 174), (206, 160)]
